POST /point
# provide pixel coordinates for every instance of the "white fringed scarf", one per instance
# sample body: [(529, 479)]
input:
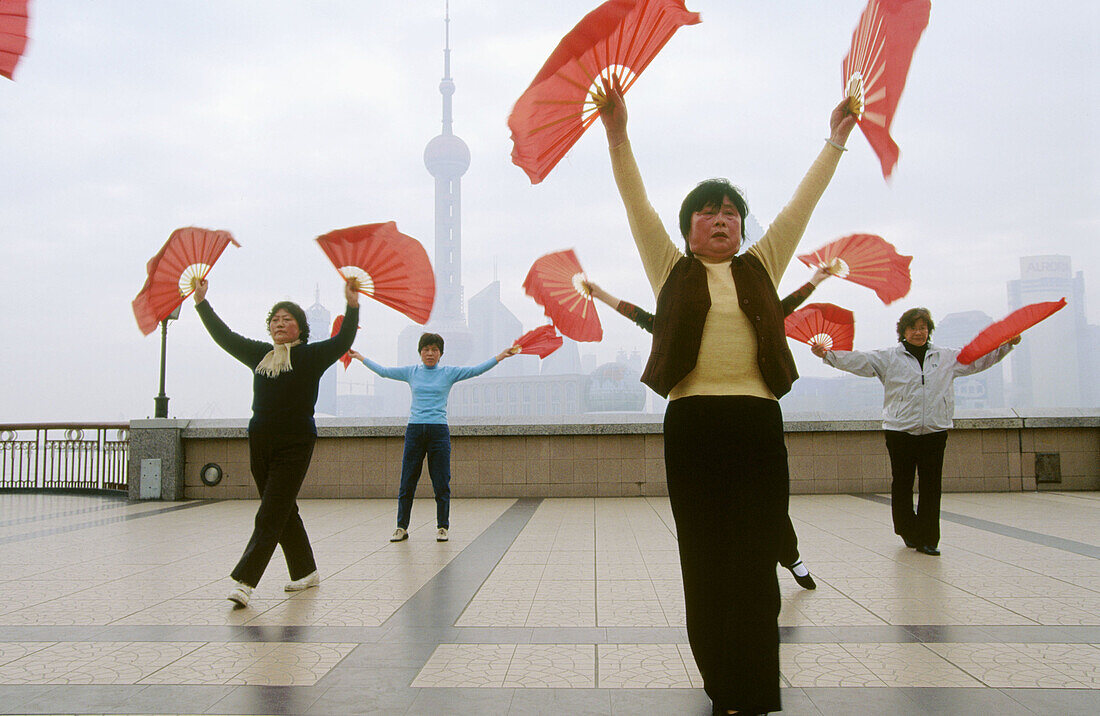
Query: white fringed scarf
[(276, 361)]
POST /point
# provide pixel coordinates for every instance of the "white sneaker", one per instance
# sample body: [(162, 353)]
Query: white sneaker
[(441, 535), (399, 534), (310, 580), (240, 594)]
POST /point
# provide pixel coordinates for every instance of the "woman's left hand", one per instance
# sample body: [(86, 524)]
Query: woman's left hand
[(1015, 340), (350, 293), (507, 352), (841, 123)]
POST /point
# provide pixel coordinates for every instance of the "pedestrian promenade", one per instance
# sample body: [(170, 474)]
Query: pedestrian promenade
[(554, 606)]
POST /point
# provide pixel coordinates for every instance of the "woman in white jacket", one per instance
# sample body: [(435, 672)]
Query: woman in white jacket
[(917, 408)]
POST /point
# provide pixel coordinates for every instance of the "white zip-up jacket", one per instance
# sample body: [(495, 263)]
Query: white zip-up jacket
[(915, 400)]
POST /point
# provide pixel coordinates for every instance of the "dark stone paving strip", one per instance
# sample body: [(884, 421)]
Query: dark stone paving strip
[(105, 521), (1066, 545), (114, 502), (440, 602)]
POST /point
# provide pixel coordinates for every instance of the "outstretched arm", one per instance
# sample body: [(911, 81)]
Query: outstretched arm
[(867, 365), (795, 299), (332, 348)]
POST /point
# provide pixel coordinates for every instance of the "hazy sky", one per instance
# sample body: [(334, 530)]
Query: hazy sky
[(280, 121)]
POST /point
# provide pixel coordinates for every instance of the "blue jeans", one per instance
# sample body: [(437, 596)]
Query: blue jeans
[(433, 440)]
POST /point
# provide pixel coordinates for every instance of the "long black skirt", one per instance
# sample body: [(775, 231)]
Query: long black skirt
[(726, 465)]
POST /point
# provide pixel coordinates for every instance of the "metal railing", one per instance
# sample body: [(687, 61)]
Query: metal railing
[(64, 456)]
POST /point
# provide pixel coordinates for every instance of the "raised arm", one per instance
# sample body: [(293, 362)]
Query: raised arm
[(332, 348), (781, 239), (245, 350), (658, 253)]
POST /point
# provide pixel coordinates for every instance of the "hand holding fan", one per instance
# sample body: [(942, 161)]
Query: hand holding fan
[(617, 39), (388, 266), (876, 67), (868, 260), (556, 282), (541, 342), (822, 324), (13, 34), (173, 274), (1008, 328)]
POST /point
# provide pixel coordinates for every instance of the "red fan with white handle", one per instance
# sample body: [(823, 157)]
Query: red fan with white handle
[(876, 67), (176, 271), (556, 282), (617, 39), (388, 266), (868, 260), (822, 324), (1008, 328), (541, 342), (13, 34)]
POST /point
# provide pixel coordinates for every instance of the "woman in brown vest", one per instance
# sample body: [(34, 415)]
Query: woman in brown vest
[(720, 356)]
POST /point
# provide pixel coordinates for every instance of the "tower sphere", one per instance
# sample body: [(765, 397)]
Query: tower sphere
[(447, 157)]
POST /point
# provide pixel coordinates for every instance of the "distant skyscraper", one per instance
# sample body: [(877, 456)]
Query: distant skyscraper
[(1052, 367), (320, 325)]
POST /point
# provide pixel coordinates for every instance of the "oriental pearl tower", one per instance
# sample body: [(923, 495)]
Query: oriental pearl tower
[(447, 158)]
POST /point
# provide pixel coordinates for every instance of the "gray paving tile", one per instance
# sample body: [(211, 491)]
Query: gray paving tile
[(575, 702), (688, 702), (1068, 702), (462, 702), (267, 700), (965, 702)]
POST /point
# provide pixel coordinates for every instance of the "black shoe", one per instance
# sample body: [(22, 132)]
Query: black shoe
[(910, 543), (928, 549), (806, 582)]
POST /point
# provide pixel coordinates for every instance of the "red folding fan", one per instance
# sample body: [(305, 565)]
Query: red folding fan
[(541, 342), (175, 272), (13, 34), (822, 324), (336, 324), (617, 39), (876, 66), (868, 260), (390, 267), (555, 281), (1008, 328)]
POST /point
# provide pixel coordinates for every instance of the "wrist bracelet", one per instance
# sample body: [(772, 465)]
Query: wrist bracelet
[(838, 146)]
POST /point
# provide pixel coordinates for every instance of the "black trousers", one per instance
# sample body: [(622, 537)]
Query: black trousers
[(279, 464), (726, 466), (911, 455)]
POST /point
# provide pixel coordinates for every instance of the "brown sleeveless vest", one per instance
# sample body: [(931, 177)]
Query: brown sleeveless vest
[(682, 308)]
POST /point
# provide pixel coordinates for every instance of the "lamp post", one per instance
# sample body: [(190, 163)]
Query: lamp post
[(160, 402)]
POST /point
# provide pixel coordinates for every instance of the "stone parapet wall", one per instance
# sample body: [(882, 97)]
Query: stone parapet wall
[(361, 458)]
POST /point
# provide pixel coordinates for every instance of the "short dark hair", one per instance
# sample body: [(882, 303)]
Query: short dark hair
[(910, 318), (711, 193), (430, 339), (299, 315)]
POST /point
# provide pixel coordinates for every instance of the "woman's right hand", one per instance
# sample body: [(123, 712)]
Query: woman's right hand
[(818, 350), (355, 354), (612, 108), (200, 291)]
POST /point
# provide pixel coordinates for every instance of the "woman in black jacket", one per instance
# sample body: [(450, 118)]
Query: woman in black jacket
[(281, 433)]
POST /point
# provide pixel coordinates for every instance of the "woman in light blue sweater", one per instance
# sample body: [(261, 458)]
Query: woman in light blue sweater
[(427, 433)]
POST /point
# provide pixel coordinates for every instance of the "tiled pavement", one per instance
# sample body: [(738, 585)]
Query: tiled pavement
[(562, 606)]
